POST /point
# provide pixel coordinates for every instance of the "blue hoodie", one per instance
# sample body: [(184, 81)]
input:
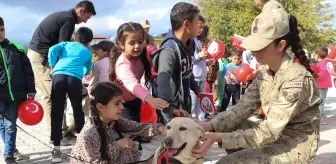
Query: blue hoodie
[(70, 58)]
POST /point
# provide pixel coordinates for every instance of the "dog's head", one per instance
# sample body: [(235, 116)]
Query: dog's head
[(182, 136)]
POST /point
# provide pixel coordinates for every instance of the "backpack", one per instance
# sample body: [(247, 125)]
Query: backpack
[(179, 90)]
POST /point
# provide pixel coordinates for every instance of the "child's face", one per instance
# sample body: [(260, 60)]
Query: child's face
[(100, 53), (112, 110), (95, 54), (192, 27), (2, 33), (200, 27), (316, 56), (235, 59), (134, 43)]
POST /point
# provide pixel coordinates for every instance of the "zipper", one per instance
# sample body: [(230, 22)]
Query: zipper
[(7, 73)]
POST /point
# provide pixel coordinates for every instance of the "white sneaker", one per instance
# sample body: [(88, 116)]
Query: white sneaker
[(56, 156)]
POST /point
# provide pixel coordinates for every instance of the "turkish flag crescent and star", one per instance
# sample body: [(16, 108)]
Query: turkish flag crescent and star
[(206, 102)]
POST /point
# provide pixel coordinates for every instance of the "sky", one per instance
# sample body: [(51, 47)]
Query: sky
[(23, 16)]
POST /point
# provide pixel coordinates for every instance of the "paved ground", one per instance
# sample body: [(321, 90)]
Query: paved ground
[(40, 153)]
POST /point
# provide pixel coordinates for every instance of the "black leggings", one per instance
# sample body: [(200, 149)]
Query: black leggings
[(61, 86), (230, 90), (132, 110)]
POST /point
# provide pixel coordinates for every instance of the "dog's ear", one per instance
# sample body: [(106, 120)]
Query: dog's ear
[(200, 130)]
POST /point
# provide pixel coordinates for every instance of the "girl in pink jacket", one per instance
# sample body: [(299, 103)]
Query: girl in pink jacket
[(323, 80), (128, 63)]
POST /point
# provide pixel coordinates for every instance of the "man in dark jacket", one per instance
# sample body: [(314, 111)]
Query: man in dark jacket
[(16, 83), (174, 61), (55, 28)]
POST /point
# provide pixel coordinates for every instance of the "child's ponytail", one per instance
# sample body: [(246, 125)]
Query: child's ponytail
[(100, 129)]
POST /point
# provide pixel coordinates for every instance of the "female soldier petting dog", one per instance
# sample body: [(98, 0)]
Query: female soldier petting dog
[(289, 96)]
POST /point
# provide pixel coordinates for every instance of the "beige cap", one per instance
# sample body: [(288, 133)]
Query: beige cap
[(145, 24), (267, 27)]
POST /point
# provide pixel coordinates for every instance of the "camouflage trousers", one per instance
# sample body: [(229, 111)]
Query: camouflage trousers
[(272, 154), (275, 153)]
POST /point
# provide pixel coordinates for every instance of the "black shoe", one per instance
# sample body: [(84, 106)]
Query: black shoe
[(10, 160), (19, 156)]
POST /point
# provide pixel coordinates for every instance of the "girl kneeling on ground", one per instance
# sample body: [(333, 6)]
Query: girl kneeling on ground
[(101, 140)]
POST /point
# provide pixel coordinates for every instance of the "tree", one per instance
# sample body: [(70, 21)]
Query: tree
[(228, 17)]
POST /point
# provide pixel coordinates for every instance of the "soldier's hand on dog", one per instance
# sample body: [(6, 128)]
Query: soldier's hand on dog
[(209, 139), (180, 113), (126, 143), (207, 126)]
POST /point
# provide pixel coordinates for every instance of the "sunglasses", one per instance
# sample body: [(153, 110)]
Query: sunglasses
[(2, 29)]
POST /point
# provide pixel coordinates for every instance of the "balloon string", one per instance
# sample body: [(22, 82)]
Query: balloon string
[(69, 156)]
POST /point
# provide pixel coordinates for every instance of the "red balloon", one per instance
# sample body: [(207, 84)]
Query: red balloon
[(244, 73), (314, 68), (332, 52), (148, 114), (215, 49), (30, 112), (236, 42), (207, 87)]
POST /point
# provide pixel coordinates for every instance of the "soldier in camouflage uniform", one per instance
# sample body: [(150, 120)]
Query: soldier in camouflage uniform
[(286, 91)]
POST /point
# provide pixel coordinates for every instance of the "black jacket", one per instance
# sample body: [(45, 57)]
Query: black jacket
[(16, 74), (175, 77), (55, 28)]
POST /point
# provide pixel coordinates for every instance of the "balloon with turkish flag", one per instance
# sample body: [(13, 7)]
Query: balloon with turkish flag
[(244, 73), (148, 114), (206, 102), (207, 87), (30, 112), (215, 49), (236, 41)]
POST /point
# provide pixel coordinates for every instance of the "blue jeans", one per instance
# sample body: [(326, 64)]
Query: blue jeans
[(323, 92), (195, 101), (8, 117)]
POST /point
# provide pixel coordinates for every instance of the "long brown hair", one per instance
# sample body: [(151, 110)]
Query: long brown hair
[(293, 40), (116, 51), (102, 93)]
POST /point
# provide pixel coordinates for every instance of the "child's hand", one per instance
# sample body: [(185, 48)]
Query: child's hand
[(202, 54), (126, 143), (216, 82), (156, 103), (31, 96)]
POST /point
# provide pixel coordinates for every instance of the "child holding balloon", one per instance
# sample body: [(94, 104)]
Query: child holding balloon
[(101, 140), (323, 80), (232, 87), (16, 84)]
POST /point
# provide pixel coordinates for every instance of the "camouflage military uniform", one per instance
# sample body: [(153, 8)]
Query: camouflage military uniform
[(290, 131)]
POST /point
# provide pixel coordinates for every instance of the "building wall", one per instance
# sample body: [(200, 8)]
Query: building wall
[(96, 41)]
